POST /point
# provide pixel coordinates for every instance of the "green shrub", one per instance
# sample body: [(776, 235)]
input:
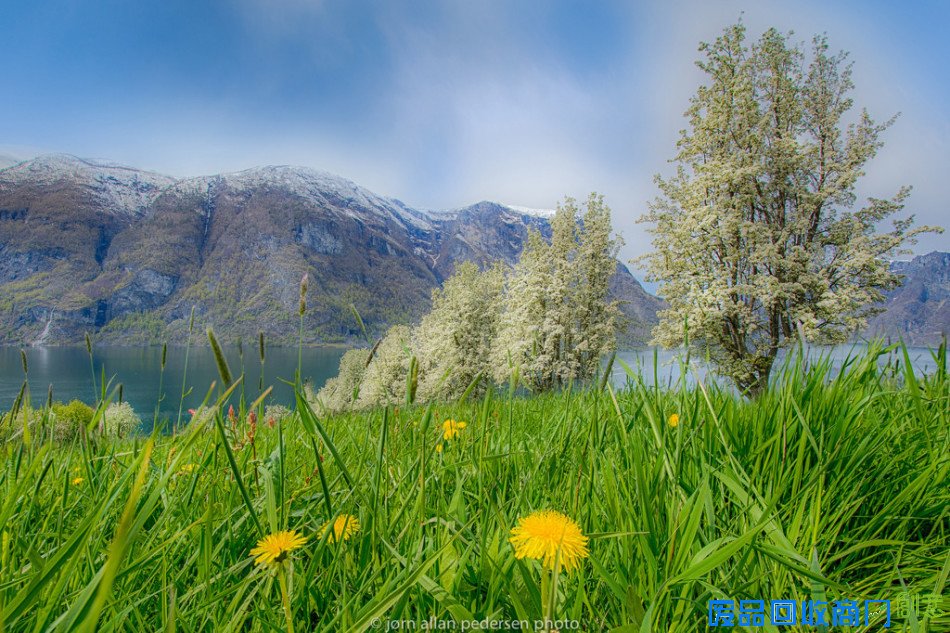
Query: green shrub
[(68, 419), (120, 420), (11, 428)]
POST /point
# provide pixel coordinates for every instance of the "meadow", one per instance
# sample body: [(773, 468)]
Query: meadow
[(830, 486)]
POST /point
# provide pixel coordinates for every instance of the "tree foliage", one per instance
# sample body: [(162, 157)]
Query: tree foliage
[(597, 318), (452, 342), (520, 339), (757, 241), (557, 321), (384, 381), (342, 391)]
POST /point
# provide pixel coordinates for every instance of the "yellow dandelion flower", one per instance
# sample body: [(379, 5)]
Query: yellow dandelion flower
[(543, 534), (274, 548), (673, 420), (451, 429), (345, 526), (77, 481), (438, 447)]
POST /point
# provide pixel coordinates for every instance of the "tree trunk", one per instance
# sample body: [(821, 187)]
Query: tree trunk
[(758, 385), (755, 385)]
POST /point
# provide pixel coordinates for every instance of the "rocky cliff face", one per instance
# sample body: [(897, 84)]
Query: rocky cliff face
[(918, 311), (93, 247)]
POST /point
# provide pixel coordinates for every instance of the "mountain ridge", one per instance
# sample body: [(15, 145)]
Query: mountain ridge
[(918, 311), (88, 245)]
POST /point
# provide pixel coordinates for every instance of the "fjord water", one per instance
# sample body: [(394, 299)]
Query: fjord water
[(138, 369), (664, 367)]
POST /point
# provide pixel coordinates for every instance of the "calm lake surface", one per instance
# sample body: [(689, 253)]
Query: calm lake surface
[(138, 369)]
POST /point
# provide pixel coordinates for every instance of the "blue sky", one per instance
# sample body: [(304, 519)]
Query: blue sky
[(442, 104)]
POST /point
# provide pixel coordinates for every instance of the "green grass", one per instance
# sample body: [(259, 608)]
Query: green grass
[(831, 487)]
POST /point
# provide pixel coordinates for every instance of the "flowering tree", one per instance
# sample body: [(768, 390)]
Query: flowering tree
[(557, 321), (453, 340), (596, 317), (384, 381), (756, 237), (342, 391), (518, 340)]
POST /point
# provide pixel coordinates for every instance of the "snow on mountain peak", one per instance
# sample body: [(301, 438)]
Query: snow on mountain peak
[(130, 191), (538, 213), (320, 187), (302, 181), (124, 189)]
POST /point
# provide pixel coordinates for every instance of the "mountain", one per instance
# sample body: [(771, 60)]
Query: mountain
[(919, 310), (91, 246)]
